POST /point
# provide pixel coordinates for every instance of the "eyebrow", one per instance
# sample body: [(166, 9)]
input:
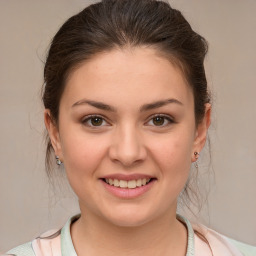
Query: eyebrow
[(146, 107), (159, 104), (96, 104)]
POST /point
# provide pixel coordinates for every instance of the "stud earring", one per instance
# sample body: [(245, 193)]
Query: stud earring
[(58, 162), (196, 154)]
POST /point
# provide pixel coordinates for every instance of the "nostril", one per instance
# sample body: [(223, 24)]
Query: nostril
[(127, 151)]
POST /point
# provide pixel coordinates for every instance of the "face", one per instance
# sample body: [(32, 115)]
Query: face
[(127, 135)]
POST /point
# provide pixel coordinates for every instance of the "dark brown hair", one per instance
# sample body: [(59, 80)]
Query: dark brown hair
[(116, 24)]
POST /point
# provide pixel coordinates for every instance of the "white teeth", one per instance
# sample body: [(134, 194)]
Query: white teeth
[(127, 184), (131, 184), (123, 184), (138, 183)]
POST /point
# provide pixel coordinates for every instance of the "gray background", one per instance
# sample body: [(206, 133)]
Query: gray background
[(29, 206)]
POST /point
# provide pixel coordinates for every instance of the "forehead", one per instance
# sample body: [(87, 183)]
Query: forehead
[(133, 72)]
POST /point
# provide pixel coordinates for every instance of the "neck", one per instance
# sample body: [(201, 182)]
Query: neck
[(93, 235)]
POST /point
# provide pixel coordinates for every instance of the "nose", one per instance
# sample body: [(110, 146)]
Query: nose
[(127, 146)]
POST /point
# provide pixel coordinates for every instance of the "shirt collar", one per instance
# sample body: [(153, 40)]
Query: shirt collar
[(67, 247)]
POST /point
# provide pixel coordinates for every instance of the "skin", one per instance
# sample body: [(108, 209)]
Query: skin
[(128, 141)]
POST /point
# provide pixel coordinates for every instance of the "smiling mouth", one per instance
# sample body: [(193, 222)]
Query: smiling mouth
[(128, 184)]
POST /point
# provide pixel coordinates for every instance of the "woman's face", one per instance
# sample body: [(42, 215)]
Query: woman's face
[(127, 117)]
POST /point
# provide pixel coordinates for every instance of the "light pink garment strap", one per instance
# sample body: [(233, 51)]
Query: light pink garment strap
[(47, 246), (219, 244)]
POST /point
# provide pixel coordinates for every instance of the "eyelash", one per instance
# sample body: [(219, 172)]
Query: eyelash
[(90, 117), (166, 117)]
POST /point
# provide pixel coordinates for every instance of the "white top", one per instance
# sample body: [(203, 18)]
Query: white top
[(59, 243)]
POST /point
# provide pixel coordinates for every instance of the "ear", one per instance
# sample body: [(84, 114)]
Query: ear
[(201, 132), (53, 132)]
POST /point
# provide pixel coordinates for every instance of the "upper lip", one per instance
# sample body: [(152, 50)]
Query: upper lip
[(128, 177)]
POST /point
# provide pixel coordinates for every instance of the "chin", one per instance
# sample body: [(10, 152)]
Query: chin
[(129, 222), (128, 217)]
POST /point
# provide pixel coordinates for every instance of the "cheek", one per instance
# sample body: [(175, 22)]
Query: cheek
[(82, 156), (82, 153), (172, 154), (173, 149)]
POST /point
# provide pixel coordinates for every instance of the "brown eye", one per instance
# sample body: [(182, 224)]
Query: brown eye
[(159, 120), (96, 121)]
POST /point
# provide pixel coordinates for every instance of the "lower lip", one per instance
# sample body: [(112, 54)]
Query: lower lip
[(128, 193)]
